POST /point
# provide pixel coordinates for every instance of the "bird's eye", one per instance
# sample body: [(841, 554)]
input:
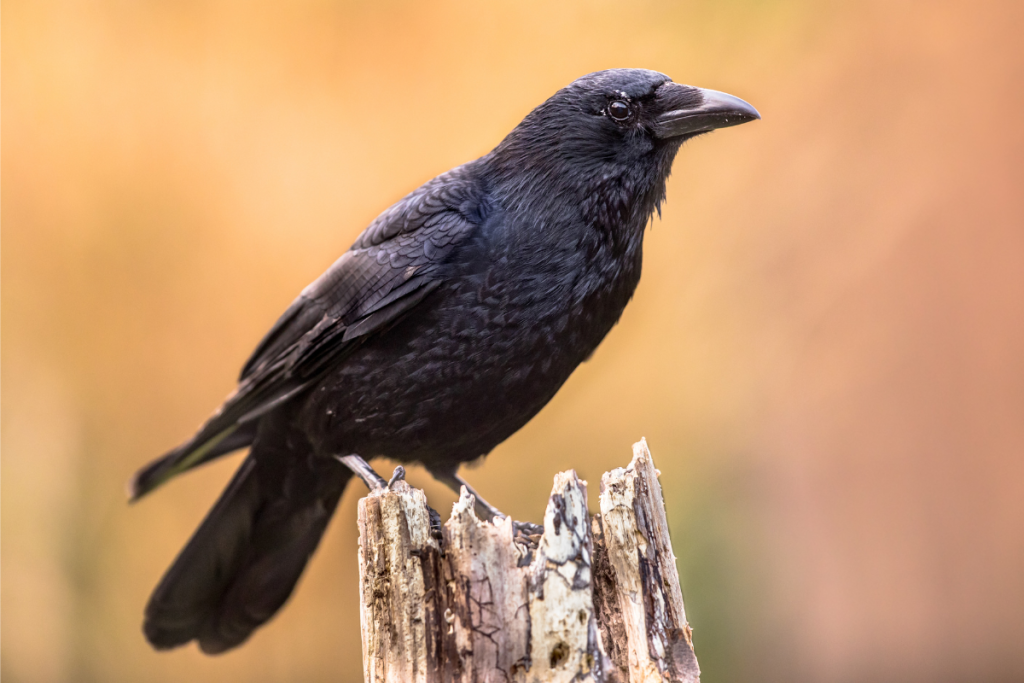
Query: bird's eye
[(618, 110)]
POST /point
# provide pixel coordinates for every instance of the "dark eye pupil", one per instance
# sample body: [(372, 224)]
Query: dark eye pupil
[(618, 110)]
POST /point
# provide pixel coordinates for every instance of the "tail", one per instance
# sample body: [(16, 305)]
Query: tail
[(244, 560), (200, 449)]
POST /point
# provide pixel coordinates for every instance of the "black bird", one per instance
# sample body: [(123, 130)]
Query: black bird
[(452, 320)]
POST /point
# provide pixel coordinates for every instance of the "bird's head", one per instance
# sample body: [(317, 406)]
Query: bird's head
[(619, 123)]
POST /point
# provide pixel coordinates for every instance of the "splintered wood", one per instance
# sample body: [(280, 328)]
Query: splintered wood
[(593, 599)]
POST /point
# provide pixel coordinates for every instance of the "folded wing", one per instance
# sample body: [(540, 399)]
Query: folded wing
[(393, 266)]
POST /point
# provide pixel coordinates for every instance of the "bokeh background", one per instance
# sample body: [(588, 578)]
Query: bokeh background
[(826, 352)]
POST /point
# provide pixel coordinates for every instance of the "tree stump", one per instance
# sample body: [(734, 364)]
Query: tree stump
[(590, 599)]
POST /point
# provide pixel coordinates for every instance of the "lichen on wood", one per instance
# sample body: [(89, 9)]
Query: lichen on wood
[(593, 599)]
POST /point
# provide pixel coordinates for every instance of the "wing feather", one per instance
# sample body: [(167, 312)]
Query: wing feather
[(392, 267)]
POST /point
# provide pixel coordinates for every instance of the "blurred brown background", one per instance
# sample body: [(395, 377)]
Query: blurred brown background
[(826, 352)]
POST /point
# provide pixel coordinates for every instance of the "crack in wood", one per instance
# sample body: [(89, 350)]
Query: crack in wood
[(591, 599)]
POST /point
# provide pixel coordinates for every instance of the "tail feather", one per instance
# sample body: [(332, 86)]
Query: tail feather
[(192, 586), (191, 454), (244, 560)]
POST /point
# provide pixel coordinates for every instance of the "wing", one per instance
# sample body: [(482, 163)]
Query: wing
[(393, 265), (381, 276)]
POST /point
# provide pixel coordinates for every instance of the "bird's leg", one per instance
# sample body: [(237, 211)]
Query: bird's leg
[(375, 482), (484, 510), (527, 530), (362, 469)]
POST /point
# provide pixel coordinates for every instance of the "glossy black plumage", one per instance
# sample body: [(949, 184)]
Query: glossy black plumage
[(452, 320)]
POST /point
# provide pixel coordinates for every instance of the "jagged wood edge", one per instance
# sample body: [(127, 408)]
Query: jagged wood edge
[(646, 610), (442, 619)]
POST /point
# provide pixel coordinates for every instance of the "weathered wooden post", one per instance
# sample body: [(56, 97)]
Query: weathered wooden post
[(589, 600)]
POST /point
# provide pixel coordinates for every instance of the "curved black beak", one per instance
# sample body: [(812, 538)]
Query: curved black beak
[(688, 111)]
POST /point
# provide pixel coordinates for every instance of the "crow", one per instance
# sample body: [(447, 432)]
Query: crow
[(453, 319)]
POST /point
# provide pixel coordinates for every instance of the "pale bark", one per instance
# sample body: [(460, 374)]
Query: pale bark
[(590, 600)]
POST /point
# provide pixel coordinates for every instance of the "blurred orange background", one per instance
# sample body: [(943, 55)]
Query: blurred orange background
[(826, 352)]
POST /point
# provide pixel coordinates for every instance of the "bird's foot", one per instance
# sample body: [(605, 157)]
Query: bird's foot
[(375, 482), (435, 523), (527, 528), (527, 533), (367, 474), (398, 475)]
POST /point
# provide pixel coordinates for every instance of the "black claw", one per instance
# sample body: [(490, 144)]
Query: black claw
[(528, 535), (398, 475), (528, 528), (435, 523)]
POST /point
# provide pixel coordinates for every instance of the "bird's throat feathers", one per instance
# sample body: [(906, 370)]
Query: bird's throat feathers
[(616, 194)]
